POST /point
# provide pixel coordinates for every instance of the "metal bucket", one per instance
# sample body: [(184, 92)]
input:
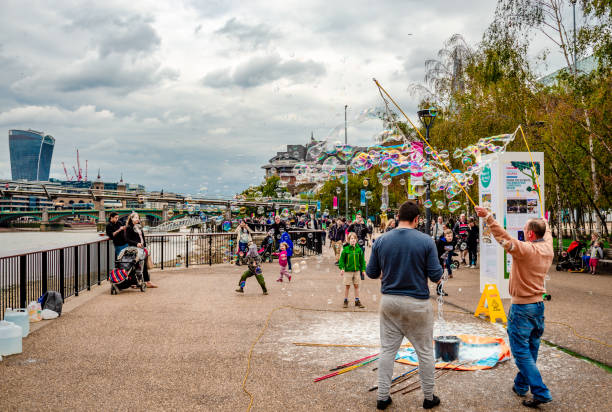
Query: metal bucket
[(447, 348)]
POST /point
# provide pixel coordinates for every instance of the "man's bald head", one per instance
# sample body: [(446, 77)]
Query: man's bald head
[(537, 226)]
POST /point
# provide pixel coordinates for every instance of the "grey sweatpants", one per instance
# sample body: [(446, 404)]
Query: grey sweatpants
[(413, 318)]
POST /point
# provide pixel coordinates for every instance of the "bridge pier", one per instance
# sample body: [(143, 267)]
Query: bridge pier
[(101, 224), (164, 213), (44, 221)]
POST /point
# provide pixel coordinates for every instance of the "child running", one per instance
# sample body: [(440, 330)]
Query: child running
[(352, 264), (254, 269), (282, 261)]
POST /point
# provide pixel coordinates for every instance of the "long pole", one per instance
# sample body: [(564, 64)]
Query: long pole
[(428, 187), (574, 7), (346, 166)]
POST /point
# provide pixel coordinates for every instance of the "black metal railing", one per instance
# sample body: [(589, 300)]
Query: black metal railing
[(72, 269), (176, 250), (67, 270)]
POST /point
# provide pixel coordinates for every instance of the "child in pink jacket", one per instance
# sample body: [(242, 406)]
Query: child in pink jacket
[(282, 261)]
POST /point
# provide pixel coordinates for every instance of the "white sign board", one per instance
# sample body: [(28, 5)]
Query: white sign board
[(508, 188)]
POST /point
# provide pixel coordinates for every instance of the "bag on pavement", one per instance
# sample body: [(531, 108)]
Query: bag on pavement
[(52, 300)]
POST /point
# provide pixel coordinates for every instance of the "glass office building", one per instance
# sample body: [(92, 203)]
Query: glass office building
[(31, 153)]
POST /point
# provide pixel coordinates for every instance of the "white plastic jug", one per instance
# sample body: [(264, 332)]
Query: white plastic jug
[(19, 317), (10, 338)]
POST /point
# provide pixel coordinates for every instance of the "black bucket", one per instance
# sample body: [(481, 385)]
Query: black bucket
[(447, 348)]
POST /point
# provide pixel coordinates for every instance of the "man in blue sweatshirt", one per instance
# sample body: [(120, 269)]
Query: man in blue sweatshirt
[(406, 258)]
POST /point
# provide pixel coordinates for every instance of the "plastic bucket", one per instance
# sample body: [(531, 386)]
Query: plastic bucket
[(447, 348)]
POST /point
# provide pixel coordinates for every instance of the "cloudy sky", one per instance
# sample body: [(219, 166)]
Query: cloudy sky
[(193, 96)]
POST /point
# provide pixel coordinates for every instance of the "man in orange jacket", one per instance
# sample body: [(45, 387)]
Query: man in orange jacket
[(530, 263)]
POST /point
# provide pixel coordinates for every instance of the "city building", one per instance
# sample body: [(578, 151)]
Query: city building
[(284, 162), (30, 153)]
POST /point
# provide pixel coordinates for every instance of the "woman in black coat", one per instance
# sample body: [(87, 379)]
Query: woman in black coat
[(135, 237)]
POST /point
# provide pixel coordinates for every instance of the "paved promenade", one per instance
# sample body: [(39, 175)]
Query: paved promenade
[(184, 346)]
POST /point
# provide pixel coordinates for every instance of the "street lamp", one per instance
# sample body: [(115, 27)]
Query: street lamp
[(365, 184), (427, 118), (338, 191), (346, 164), (574, 7)]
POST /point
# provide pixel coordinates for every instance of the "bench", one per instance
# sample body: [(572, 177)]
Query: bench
[(607, 257)]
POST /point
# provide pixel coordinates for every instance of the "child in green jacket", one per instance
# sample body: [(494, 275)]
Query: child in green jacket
[(352, 264)]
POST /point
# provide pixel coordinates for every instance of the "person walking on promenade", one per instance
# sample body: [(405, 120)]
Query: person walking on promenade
[(352, 264), (472, 242), (286, 239), (406, 258), (530, 263), (461, 233), (278, 227), (336, 238), (243, 235), (390, 225), (437, 228), (254, 269), (116, 232), (135, 237), (360, 229), (282, 261)]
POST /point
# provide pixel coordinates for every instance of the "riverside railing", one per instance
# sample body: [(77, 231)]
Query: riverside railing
[(181, 249), (72, 269), (67, 270)]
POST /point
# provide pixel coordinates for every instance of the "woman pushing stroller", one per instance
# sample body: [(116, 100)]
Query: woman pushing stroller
[(135, 237)]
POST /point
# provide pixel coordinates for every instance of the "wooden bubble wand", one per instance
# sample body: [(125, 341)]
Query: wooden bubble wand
[(424, 140)]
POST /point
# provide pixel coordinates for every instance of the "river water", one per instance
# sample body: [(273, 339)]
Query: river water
[(15, 243)]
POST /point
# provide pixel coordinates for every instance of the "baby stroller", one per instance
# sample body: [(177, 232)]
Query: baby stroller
[(128, 270), (571, 259), (267, 248)]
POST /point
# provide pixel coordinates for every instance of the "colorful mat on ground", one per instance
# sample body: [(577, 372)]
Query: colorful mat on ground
[(480, 352)]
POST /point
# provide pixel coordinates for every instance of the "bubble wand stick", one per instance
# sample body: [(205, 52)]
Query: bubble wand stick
[(425, 140)]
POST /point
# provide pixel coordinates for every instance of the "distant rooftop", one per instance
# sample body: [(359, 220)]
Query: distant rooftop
[(586, 65)]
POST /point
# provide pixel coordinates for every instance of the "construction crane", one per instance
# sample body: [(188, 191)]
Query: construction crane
[(80, 175), (78, 171), (66, 172)]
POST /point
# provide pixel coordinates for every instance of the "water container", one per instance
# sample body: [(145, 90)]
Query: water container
[(10, 338), (447, 348), (19, 317)]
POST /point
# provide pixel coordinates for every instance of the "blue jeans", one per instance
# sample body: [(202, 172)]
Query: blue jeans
[(525, 328), (118, 249)]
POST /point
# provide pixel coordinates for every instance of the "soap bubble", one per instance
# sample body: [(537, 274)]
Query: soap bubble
[(285, 213), (227, 226), (440, 204), (427, 204), (454, 205), (385, 179), (457, 153), (258, 196), (329, 301), (419, 189)]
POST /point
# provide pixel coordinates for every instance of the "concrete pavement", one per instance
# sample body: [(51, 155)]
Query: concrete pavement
[(184, 346)]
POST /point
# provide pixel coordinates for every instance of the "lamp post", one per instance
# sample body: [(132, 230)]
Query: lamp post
[(427, 118), (338, 191), (365, 184), (574, 7), (346, 164)]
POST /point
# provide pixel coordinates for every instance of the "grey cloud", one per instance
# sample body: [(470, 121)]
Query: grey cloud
[(264, 69), (113, 32), (114, 74), (247, 35)]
